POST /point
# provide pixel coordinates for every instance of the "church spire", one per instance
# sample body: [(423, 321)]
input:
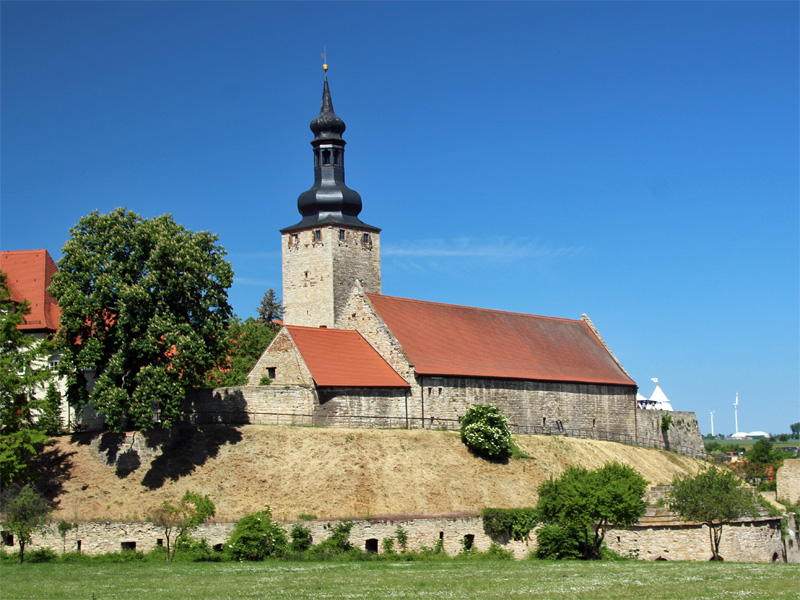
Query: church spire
[(329, 201)]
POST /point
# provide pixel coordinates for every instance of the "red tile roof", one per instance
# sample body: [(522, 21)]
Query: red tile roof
[(443, 339), (30, 273), (342, 358)]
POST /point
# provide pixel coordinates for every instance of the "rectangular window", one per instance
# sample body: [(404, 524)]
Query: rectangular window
[(317, 235), (341, 235), (8, 538), (128, 546), (365, 239), (271, 372)]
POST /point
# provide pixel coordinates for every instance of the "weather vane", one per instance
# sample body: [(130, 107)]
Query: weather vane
[(324, 55)]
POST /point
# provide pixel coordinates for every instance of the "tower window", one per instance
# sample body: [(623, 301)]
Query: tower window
[(342, 235), (317, 235), (366, 240)]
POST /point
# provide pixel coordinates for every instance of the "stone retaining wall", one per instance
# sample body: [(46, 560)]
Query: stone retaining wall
[(658, 536)]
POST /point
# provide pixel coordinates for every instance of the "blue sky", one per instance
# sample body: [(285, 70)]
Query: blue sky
[(637, 162)]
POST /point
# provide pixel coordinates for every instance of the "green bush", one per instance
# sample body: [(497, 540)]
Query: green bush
[(301, 538), (256, 537), (388, 545), (40, 555), (337, 544), (402, 538), (516, 523), (485, 431), (554, 542)]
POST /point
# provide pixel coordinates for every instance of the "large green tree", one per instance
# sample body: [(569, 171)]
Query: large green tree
[(24, 372), (589, 502), (145, 309), (713, 497)]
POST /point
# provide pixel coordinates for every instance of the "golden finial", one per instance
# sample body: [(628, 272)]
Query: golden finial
[(324, 59)]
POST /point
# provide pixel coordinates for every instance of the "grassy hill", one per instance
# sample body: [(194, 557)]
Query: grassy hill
[(326, 472)]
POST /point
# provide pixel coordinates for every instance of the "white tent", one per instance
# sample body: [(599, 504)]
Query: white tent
[(758, 434), (659, 399), (741, 435)]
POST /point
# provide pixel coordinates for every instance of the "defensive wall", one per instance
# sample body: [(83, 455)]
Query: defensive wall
[(658, 536), (788, 480), (573, 410)]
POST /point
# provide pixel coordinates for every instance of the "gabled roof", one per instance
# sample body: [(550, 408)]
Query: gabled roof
[(30, 273), (443, 339), (342, 358)]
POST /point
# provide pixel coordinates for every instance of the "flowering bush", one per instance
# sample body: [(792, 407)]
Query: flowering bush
[(485, 431), (257, 537)]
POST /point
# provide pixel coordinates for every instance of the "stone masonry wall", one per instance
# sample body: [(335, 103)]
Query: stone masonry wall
[(748, 541), (240, 404), (683, 434), (318, 274), (788, 479), (283, 356)]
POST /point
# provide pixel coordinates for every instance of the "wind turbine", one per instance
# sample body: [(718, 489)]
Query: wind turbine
[(712, 422), (736, 412)]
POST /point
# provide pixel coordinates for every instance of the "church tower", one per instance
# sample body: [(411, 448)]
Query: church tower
[(330, 248)]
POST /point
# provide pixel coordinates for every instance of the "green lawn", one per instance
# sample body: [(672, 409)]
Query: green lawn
[(375, 580)]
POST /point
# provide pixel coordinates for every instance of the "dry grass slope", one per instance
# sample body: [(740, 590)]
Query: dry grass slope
[(337, 473)]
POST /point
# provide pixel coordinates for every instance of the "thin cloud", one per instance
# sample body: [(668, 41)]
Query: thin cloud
[(505, 249)]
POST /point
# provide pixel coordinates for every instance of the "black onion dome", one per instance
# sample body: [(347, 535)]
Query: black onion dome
[(329, 201), (327, 126)]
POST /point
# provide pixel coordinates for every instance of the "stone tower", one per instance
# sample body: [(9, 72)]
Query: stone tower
[(330, 248)]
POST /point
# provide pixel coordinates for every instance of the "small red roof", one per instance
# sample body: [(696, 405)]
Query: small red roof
[(29, 274), (443, 339), (343, 358)]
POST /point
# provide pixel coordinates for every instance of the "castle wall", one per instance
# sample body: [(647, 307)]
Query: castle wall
[(788, 480), (318, 273), (682, 435), (757, 540), (250, 404)]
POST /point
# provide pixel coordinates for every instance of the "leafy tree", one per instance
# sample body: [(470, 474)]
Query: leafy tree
[(485, 431), (301, 538), (589, 502), (23, 511), (17, 450), (64, 527), (23, 374), (49, 419), (246, 342), (144, 306), (713, 497), (179, 520), (795, 427), (256, 537), (763, 452), (270, 309)]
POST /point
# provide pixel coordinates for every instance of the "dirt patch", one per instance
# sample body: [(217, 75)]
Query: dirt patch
[(332, 473)]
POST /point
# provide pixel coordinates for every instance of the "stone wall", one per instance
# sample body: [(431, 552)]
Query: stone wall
[(656, 537), (788, 480), (282, 356), (682, 436), (242, 404)]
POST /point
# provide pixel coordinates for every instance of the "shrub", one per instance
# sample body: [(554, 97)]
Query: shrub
[(516, 523), (336, 544), (554, 542), (256, 537), (41, 555), (485, 431), (388, 545), (402, 538), (301, 538)]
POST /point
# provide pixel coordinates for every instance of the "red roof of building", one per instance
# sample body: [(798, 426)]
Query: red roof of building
[(443, 339), (29, 274), (342, 358)]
